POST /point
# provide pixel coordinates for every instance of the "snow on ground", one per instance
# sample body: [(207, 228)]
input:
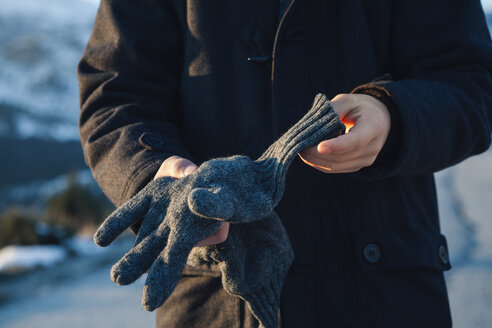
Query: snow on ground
[(473, 187), (34, 256), (77, 293), (465, 204), (84, 246), (29, 257), (92, 301)]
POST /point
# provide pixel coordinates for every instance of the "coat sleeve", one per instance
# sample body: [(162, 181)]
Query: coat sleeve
[(128, 79), (440, 96)]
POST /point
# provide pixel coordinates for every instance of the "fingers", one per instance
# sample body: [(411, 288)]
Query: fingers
[(359, 136), (337, 164), (346, 167), (176, 166), (151, 222), (323, 158), (164, 275), (121, 219), (213, 203), (140, 258)]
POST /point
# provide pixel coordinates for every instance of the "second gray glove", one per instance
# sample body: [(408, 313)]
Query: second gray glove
[(253, 261)]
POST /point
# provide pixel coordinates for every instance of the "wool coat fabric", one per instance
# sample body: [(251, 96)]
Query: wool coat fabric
[(204, 79)]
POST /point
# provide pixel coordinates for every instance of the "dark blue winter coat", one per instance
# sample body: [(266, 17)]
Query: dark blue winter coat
[(202, 79)]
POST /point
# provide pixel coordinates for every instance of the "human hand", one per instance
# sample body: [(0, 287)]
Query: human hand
[(178, 167), (368, 121)]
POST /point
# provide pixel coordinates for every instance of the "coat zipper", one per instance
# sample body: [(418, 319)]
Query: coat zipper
[(275, 43)]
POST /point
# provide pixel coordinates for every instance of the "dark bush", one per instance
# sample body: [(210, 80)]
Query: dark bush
[(76, 207), (66, 213), (17, 227)]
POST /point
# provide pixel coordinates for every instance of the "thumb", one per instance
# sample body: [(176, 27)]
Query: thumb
[(344, 105), (176, 167)]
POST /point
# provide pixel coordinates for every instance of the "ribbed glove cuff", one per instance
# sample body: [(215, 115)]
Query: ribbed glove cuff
[(264, 302), (319, 123)]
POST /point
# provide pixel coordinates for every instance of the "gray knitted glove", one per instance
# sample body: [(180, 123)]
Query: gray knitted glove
[(254, 261), (178, 213)]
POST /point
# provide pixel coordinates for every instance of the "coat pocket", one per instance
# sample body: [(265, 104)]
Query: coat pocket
[(200, 301), (401, 282), (379, 250)]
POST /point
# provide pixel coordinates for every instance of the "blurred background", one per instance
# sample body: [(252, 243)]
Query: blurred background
[(51, 273)]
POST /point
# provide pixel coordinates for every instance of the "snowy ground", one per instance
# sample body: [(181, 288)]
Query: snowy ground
[(77, 293), (465, 196)]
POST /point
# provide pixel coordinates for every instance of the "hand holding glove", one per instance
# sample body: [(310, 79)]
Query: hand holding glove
[(177, 213)]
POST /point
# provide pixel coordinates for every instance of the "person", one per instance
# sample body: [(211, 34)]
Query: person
[(166, 85)]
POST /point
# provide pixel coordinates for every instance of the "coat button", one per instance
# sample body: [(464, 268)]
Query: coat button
[(151, 142), (443, 255), (372, 253)]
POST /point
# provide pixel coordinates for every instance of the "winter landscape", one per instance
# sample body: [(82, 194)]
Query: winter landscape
[(60, 278)]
